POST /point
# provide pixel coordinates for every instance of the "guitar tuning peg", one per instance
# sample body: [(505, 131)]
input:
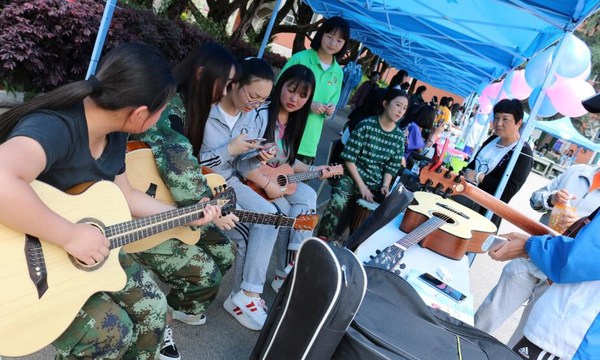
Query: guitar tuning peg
[(448, 174), (397, 272), (377, 251), (448, 193), (402, 266), (371, 257)]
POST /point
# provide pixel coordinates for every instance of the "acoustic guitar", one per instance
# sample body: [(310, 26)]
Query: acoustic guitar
[(144, 176), (443, 180), (440, 225), (284, 176), (45, 287)]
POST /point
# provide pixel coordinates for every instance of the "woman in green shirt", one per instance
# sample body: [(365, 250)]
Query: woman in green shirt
[(372, 157), (330, 42)]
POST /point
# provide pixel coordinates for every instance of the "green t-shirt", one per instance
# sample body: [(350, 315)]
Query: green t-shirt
[(374, 151), (327, 91)]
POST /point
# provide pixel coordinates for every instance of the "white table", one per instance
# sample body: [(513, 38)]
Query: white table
[(419, 260)]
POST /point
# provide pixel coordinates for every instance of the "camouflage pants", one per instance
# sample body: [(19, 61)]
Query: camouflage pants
[(127, 324), (193, 272), (335, 219)]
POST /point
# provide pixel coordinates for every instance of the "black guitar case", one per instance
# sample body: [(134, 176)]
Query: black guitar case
[(393, 322), (315, 305)]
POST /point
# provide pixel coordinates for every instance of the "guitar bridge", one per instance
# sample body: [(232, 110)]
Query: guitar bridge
[(36, 265)]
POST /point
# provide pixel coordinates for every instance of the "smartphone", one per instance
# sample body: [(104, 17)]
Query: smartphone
[(442, 287), (269, 147), (255, 152), (258, 140), (493, 243)]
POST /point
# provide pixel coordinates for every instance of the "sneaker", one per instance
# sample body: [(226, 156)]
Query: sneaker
[(239, 315), (254, 307), (169, 350), (189, 319), (277, 283)]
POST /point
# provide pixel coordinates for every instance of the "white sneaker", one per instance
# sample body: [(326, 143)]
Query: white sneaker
[(168, 350), (254, 307), (189, 319), (239, 315)]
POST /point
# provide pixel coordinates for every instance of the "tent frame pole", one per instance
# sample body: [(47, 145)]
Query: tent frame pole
[(528, 126), (265, 40), (109, 9)]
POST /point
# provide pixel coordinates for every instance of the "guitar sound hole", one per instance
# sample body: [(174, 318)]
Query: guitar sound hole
[(78, 263), (281, 181), (444, 217)]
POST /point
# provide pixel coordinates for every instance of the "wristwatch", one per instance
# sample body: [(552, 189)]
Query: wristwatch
[(549, 201)]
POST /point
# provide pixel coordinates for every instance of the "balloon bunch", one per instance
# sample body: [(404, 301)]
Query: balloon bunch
[(565, 91)]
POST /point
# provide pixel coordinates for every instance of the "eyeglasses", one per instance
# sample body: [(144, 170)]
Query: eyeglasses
[(252, 103)]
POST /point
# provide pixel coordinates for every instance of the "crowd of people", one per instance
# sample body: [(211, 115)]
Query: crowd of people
[(214, 113)]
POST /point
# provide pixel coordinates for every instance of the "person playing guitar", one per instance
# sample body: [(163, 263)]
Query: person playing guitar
[(193, 272), (285, 117), (65, 137)]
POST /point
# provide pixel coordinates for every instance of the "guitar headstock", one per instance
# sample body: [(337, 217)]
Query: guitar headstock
[(336, 170), (226, 200), (443, 180), (388, 259), (306, 222)]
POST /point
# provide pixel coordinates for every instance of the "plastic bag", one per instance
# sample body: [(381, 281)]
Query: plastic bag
[(559, 211)]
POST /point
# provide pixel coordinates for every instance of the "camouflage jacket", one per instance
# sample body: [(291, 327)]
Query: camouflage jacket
[(174, 156)]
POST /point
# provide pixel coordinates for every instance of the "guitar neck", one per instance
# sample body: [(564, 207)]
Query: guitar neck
[(418, 234), (127, 232), (299, 177), (266, 219), (502, 209)]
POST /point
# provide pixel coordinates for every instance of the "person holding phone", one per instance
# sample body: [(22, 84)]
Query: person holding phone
[(231, 130), (285, 118)]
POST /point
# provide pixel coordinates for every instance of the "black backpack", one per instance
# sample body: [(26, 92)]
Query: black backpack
[(393, 322)]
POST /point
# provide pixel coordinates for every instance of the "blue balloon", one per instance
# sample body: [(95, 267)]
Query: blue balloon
[(481, 118), (546, 109), (575, 57), (536, 68)]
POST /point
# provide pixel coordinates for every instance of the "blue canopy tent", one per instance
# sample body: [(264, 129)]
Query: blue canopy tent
[(457, 45), (563, 129)]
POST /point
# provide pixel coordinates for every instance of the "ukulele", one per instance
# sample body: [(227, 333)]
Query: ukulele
[(284, 176), (303, 222), (442, 179), (45, 287)]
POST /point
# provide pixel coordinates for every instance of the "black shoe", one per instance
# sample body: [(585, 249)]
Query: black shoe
[(169, 350)]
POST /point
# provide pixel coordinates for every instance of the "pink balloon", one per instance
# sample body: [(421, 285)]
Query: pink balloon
[(504, 95), (519, 87), (485, 105), (494, 90), (567, 95)]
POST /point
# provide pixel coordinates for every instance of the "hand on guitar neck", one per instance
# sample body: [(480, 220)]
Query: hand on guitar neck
[(272, 183), (443, 180)]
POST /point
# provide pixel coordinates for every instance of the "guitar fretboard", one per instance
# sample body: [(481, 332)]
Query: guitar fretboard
[(127, 232), (267, 219), (304, 176), (426, 228)]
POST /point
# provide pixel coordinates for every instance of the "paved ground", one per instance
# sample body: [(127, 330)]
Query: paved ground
[(223, 339)]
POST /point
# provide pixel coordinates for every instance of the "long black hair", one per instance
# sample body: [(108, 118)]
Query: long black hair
[(201, 79), (335, 23), (301, 79), (132, 74)]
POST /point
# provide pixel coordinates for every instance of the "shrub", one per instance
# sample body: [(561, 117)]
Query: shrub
[(48, 43)]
